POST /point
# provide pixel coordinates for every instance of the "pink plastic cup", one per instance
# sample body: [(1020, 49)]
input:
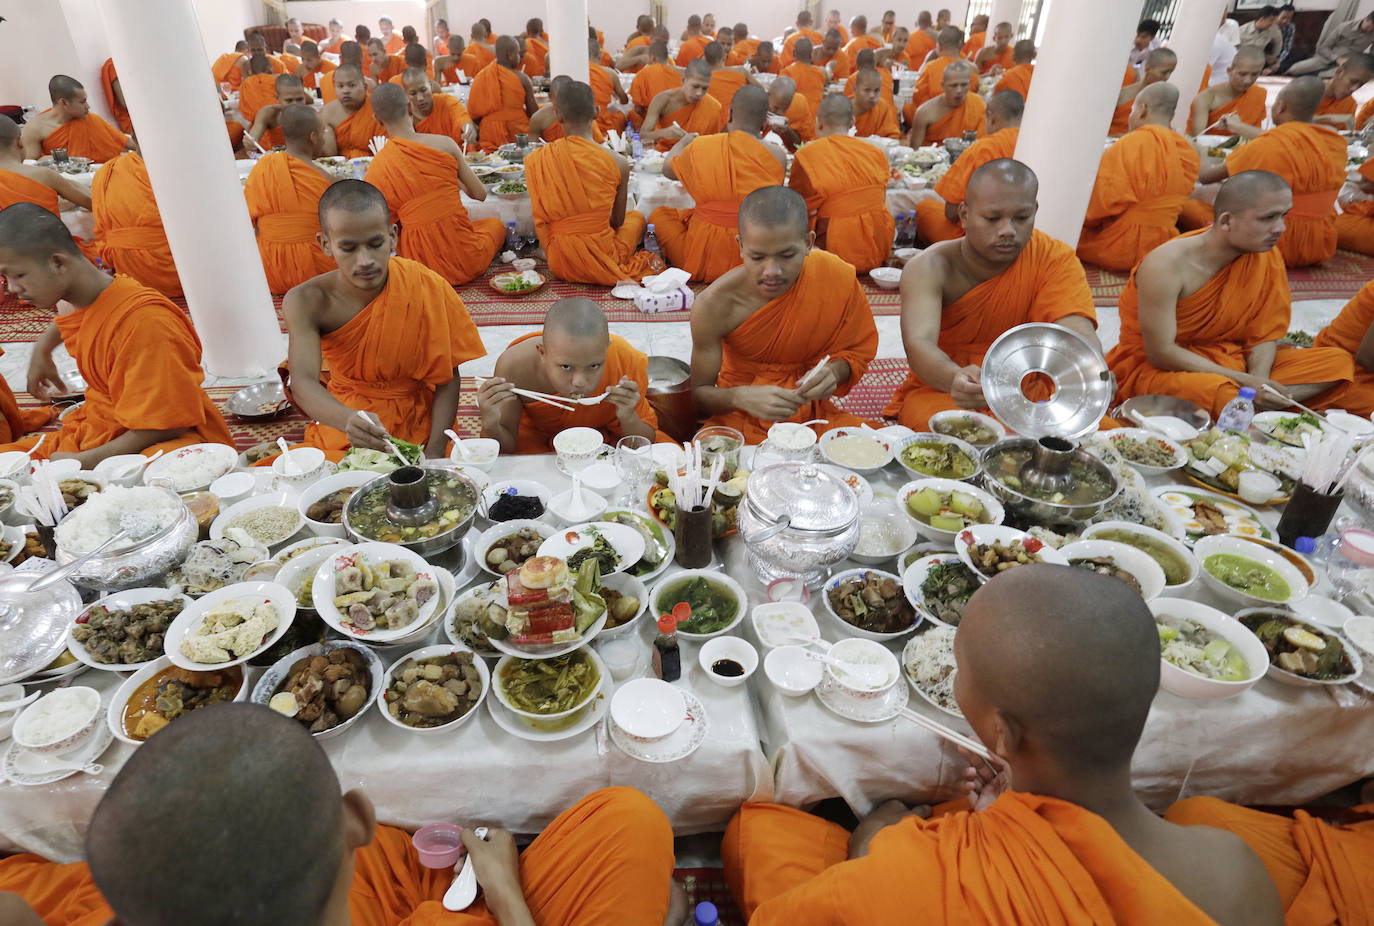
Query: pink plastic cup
[(440, 845)]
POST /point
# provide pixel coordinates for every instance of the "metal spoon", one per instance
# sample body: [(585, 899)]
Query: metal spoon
[(54, 576), (463, 891)]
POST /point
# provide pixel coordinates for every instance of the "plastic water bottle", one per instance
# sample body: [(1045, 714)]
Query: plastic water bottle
[(513, 240), (706, 914), (1237, 414), (636, 146), (651, 240)]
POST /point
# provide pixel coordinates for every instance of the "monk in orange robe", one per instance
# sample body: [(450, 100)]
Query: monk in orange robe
[(575, 357), (872, 114), (688, 109), (446, 64), (862, 40), (1236, 104), (1355, 224), (920, 43), (1018, 76), (225, 68), (760, 331), (29, 183), (1350, 332), (313, 67), (128, 227), (804, 30), (693, 43), (643, 37), (283, 193), (391, 41), (928, 82), (719, 171), (998, 55), (951, 114), (844, 181), (391, 331), (789, 115), (605, 84), (421, 177), (744, 46), (960, 296), (547, 124), (724, 81), (350, 56), (413, 58), (656, 77), (1142, 183), (607, 858), (810, 80), (1159, 67), (136, 350), (257, 47), (1203, 314), (1311, 158), (831, 58), (71, 125), (938, 219), (381, 64), (977, 36), (349, 118), (266, 128), (1338, 107), (867, 60), (502, 99), (441, 114), (477, 56), (258, 89), (1364, 115), (535, 61), (1068, 727), (114, 96)]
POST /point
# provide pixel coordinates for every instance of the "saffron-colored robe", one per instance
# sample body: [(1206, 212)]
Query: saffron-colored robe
[(1017, 78), (474, 60), (844, 181), (810, 81), (283, 200), (1346, 333), (603, 92), (724, 83), (390, 357), (918, 45), (928, 85), (840, 68), (1251, 106), (1363, 116), (884, 89), (107, 81), (636, 42), (860, 43), (16, 422), (801, 118), (1044, 284), (536, 57), (1143, 180), (128, 227), (789, 45), (356, 132), (691, 50), (393, 45), (395, 66), (225, 70), (967, 117), (312, 78), (88, 137), (140, 358), (257, 91), (881, 120), (975, 43), (824, 312), (742, 51), (16, 188), (931, 224), (652, 80), (448, 117), (1243, 306), (1355, 224), (1026, 859), (1004, 60), (1330, 106), (289, 62), (497, 102), (573, 184), (701, 117), (718, 172), (420, 184)]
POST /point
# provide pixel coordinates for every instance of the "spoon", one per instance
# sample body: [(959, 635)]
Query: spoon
[(590, 400), (54, 576), (15, 705), (457, 444), (92, 768), (463, 891), (286, 466), (34, 449), (801, 641), (869, 676), (137, 466)]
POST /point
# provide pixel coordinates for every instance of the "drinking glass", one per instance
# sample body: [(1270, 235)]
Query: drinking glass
[(632, 462)]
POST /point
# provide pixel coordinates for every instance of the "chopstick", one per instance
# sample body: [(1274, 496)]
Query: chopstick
[(801, 383), (1296, 404), (557, 401), (939, 729)]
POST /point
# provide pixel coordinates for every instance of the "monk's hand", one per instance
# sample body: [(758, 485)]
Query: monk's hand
[(364, 431), (984, 780), (625, 397), (768, 403), (494, 398), (881, 817), (495, 861), (966, 389), (44, 381), (821, 386), (1264, 399)]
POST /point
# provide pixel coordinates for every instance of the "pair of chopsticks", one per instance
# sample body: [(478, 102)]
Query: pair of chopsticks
[(1296, 404), (954, 736), (557, 401)]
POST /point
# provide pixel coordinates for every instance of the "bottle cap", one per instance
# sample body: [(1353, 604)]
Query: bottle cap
[(1305, 545), (1247, 392), (706, 914), (667, 623)]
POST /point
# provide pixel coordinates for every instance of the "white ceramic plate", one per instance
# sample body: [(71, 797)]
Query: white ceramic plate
[(120, 601), (674, 747), (23, 767), (285, 500), (323, 590), (194, 615), (1142, 435), (628, 543), (990, 533), (503, 529), (876, 710), (551, 650), (429, 652), (658, 530), (276, 674), (915, 576), (1241, 520), (509, 721)]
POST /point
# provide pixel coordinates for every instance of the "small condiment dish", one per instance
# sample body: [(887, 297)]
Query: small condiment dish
[(778, 621), (602, 479), (477, 452), (728, 649), (792, 671), (125, 469), (439, 845), (233, 487), (648, 710), (592, 506)]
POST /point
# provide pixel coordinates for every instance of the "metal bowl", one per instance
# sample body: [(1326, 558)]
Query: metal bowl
[(429, 546), (1020, 505), (1150, 405), (141, 564), (1083, 383), (259, 402)]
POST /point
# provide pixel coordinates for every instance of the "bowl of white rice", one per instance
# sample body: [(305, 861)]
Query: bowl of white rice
[(163, 531), (58, 721), (928, 661), (191, 469)]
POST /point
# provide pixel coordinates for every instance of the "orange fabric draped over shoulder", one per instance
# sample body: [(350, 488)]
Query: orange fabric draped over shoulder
[(88, 137), (801, 118), (420, 184), (881, 120), (1244, 305), (636, 42), (539, 423), (1346, 333), (788, 54), (283, 196), (1365, 113), (742, 51), (718, 172), (603, 92), (128, 227), (928, 85), (497, 101), (844, 181), (357, 131), (225, 70), (312, 79), (1312, 158), (967, 117), (691, 50), (860, 43), (573, 185), (390, 357), (140, 358), (1006, 60), (448, 117), (107, 82), (824, 312), (918, 45), (1355, 224), (702, 117), (1017, 78), (975, 43), (16, 188), (1026, 859), (1251, 106), (810, 81), (724, 83), (255, 92), (1143, 180), (652, 80), (1044, 284), (536, 57), (16, 422), (931, 223)]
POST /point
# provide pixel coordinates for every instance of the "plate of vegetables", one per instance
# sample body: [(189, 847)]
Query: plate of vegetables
[(615, 547), (518, 283)]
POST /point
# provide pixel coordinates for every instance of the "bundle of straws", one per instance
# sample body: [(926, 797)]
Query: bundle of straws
[(692, 484), (41, 499), (1326, 467)]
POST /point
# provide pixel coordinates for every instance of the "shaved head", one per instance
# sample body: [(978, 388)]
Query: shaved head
[(749, 109), (9, 133), (415, 56), (714, 53), (802, 49), (572, 351), (350, 53), (1301, 98), (865, 77), (659, 51), (865, 59), (288, 83), (1246, 54), (577, 317), (27, 230), (965, 69), (859, 24), (775, 207), (998, 211), (1161, 99), (574, 103), (355, 196), (836, 113), (1005, 172), (61, 87), (699, 69), (1160, 58), (1023, 52), (389, 102), (741, 31), (508, 50), (1008, 107), (1240, 193), (804, 18), (298, 121), (347, 72), (951, 38)]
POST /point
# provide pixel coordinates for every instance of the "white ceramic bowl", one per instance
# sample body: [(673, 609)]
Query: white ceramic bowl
[(595, 506), (958, 414), (278, 499), (562, 719), (85, 714), (905, 254), (120, 462), (930, 437), (1185, 684), (791, 671), (323, 590), (294, 572), (626, 584), (1225, 544), (733, 648), (626, 541), (602, 479), (514, 487), (224, 456), (500, 531), (1141, 434), (119, 601), (63, 469), (992, 508), (349, 479), (480, 453), (1358, 624), (1176, 547), (1138, 563), (307, 465), (992, 533), (114, 713), (14, 464), (776, 623), (720, 579), (429, 652), (193, 616), (14, 536), (1318, 609), (1302, 681), (914, 576), (903, 527), (233, 487), (869, 433), (863, 652), (648, 709), (886, 277), (576, 446), (8, 693), (277, 673), (847, 629), (8, 514)]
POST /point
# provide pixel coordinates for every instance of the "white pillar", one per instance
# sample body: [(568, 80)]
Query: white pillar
[(566, 21), (165, 76), (1005, 11), (1195, 26), (1082, 59)]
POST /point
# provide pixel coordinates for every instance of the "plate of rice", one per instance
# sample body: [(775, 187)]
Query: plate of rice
[(928, 662), (191, 469)]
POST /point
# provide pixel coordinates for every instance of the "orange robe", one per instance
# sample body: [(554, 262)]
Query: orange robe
[(801, 118), (255, 92), (858, 44), (1143, 180), (128, 227), (742, 51), (312, 78), (356, 132), (107, 81), (573, 184), (283, 196), (1331, 106), (928, 85), (555, 131), (918, 46), (390, 357), (701, 117), (931, 224), (420, 184), (289, 62), (692, 49), (1004, 60), (824, 312), (536, 57), (844, 181), (1346, 332), (967, 117), (840, 66), (603, 86), (393, 45), (1322, 872), (474, 59), (497, 102), (327, 92), (810, 81), (724, 83), (1363, 116), (225, 70), (88, 137), (16, 188), (789, 45), (652, 80), (140, 358), (636, 42), (395, 67), (884, 91), (1016, 78), (16, 422), (1245, 305), (718, 172), (539, 423), (1250, 106), (881, 120), (1355, 224), (448, 117), (1026, 859), (1044, 284), (975, 43)]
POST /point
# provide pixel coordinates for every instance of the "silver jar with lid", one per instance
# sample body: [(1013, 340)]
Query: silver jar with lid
[(797, 521)]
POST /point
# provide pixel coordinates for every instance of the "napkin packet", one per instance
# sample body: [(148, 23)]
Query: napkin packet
[(664, 292)]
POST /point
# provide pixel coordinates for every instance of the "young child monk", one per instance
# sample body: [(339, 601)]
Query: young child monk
[(392, 331), (128, 227), (959, 296), (1052, 831), (136, 350), (502, 98), (955, 111), (938, 219), (760, 332), (606, 859), (575, 356), (350, 124), (70, 125)]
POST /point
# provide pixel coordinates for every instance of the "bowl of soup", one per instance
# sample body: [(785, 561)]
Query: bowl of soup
[(1179, 565), (426, 509), (1248, 574), (717, 601), (1015, 471)]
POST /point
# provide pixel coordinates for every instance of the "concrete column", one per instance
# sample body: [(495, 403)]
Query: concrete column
[(1195, 27), (165, 76), (1083, 56), (1005, 11), (566, 21)]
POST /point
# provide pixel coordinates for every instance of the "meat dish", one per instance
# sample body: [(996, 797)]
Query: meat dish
[(1299, 648), (175, 692), (511, 551), (947, 589), (873, 602), (324, 690), (995, 557), (383, 595), (1106, 566), (435, 691), (129, 635), (329, 509)]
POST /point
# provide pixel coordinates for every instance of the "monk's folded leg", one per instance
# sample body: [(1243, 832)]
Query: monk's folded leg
[(1356, 396), (915, 402), (631, 232), (491, 238), (1196, 214), (671, 230), (1268, 835), (1300, 367), (769, 849), (1355, 233), (931, 224), (63, 895), (389, 883)]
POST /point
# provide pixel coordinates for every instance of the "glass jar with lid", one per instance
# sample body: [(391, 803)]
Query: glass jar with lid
[(797, 521)]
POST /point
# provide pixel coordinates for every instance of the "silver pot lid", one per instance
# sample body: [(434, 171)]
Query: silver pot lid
[(814, 500), (1083, 385), (33, 625)]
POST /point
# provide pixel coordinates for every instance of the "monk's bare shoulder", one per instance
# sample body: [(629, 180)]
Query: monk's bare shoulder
[(516, 362), (1164, 264), (935, 264), (779, 154), (724, 304), (525, 80), (333, 112), (1218, 872), (443, 143), (309, 301)]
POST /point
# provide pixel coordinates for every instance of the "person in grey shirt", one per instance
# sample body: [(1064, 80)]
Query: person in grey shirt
[(1346, 39), (1263, 33), (1288, 30)]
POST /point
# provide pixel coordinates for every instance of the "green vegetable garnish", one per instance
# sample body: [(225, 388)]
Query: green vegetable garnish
[(413, 453)]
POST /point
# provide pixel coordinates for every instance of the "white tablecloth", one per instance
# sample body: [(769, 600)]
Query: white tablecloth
[(649, 191)]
